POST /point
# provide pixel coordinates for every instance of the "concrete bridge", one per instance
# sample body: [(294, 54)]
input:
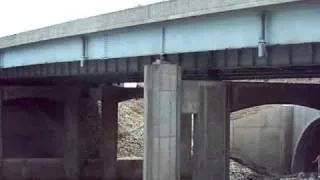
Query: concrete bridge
[(182, 50), (226, 38)]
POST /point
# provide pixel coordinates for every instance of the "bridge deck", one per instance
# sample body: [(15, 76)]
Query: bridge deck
[(164, 11), (298, 60), (207, 44)]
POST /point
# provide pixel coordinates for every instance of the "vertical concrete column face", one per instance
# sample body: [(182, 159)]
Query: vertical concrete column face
[(196, 142), (1, 132), (72, 117), (213, 132), (185, 148), (162, 91), (109, 133)]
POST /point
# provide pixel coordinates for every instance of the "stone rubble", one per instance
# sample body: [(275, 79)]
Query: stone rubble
[(240, 172)]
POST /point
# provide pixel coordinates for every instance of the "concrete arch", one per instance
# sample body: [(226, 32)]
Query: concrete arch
[(20, 92), (275, 138), (260, 139), (304, 97), (245, 95), (307, 148), (32, 128)]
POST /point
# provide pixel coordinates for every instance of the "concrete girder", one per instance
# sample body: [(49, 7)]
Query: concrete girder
[(248, 94), (18, 92)]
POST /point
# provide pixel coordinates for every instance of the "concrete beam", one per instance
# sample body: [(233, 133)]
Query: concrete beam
[(17, 92), (123, 94), (248, 94), (131, 93), (189, 97), (245, 95), (158, 12), (162, 93)]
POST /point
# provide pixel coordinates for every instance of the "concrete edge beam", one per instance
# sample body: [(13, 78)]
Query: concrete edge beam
[(249, 94), (175, 9)]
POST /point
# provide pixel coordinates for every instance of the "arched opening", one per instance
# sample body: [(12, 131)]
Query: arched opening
[(260, 137), (281, 141), (32, 128), (307, 149)]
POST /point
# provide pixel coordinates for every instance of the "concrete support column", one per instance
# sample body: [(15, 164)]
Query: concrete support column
[(71, 118), (109, 133), (162, 91), (196, 142), (185, 149), (1, 133), (212, 133)]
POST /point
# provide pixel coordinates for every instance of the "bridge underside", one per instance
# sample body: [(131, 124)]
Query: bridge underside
[(298, 60), (243, 95)]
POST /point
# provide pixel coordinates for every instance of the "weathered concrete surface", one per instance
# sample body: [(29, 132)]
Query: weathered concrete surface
[(71, 142), (34, 124), (262, 139), (164, 11), (302, 118), (162, 91), (127, 169), (250, 94), (32, 128), (246, 95), (212, 132), (305, 138), (53, 168), (274, 140), (109, 132), (185, 148), (1, 131)]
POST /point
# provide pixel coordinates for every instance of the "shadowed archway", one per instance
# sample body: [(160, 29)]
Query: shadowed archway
[(32, 128), (307, 149)]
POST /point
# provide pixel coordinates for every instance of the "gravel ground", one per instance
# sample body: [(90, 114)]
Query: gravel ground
[(240, 172)]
